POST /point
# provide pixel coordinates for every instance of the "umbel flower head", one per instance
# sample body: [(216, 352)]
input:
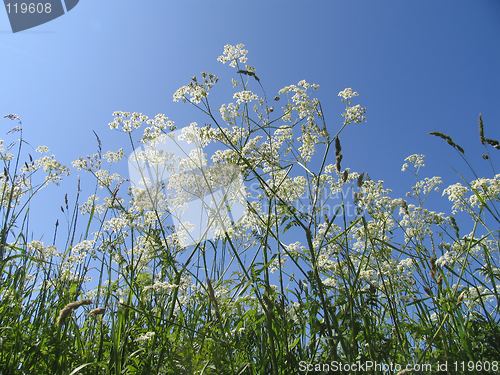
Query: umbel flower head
[(69, 308)]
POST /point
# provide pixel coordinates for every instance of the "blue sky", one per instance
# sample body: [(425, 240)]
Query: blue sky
[(419, 66)]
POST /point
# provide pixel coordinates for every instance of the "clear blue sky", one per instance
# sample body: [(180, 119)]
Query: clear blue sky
[(419, 66)]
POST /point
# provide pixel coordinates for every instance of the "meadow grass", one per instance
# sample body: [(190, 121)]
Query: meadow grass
[(324, 273)]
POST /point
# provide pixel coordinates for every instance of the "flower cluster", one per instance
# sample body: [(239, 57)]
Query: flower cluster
[(244, 97), (91, 163), (417, 160), (484, 190), (196, 91), (146, 337), (128, 125), (55, 170), (300, 101), (233, 54), (352, 113)]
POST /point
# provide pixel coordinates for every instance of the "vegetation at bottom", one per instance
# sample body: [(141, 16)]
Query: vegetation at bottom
[(249, 251)]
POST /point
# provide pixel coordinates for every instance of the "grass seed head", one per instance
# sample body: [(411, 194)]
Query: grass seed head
[(337, 146), (460, 298), (344, 176), (98, 311), (68, 309), (481, 130), (360, 179)]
